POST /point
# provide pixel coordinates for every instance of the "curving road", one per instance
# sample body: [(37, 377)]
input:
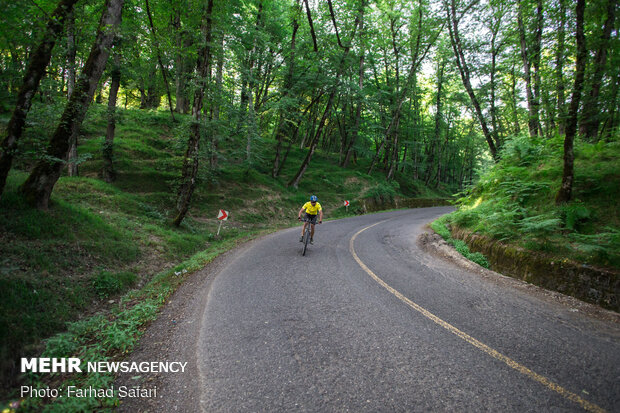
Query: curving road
[(367, 321)]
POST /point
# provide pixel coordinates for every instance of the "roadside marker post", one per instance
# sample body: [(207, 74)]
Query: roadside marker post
[(222, 216), (346, 206)]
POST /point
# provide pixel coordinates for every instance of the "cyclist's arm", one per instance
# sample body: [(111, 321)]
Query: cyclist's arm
[(300, 212), (320, 216)]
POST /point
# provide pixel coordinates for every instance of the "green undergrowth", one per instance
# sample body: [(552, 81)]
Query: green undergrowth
[(440, 227), (94, 244), (514, 201), (109, 337), (100, 240)]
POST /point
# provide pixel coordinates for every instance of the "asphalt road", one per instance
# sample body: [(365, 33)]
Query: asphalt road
[(367, 321)]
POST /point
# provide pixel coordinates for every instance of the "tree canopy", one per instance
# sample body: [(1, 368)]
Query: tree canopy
[(420, 90)]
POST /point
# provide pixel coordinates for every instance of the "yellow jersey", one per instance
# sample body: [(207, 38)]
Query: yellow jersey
[(312, 209)]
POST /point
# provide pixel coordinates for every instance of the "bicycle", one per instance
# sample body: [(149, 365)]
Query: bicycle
[(306, 236)]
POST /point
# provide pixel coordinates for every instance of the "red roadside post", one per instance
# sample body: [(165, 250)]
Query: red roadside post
[(222, 216)]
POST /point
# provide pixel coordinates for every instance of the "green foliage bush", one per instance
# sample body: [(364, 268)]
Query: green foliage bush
[(522, 150), (107, 283), (574, 215), (440, 227), (514, 200), (478, 258), (382, 192)]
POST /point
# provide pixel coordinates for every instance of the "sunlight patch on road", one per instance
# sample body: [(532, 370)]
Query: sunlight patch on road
[(490, 351)]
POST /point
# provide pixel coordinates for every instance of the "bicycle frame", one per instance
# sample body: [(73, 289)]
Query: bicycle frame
[(307, 231)]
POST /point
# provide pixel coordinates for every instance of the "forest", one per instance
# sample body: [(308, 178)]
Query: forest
[(428, 90), (167, 108)]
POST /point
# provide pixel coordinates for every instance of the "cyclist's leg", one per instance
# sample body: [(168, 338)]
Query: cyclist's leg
[(303, 229), (312, 223)]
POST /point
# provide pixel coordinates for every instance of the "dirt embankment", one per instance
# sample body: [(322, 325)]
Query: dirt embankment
[(587, 283)]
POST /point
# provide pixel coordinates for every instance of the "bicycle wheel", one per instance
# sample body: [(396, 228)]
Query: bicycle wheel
[(306, 239)]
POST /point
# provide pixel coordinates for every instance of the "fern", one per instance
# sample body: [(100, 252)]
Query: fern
[(574, 215), (540, 225)]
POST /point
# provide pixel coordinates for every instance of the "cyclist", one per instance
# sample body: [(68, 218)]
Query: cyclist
[(311, 208)]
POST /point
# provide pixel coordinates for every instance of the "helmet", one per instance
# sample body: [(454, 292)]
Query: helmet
[(313, 198)]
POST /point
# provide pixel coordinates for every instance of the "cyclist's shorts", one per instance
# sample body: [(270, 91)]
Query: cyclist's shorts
[(311, 218)]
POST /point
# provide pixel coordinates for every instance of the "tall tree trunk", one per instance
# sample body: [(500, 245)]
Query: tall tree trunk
[(360, 100), (391, 153), (38, 187), (532, 104), (217, 103), (72, 167), (418, 56), (190, 162), (536, 62), (267, 77), (438, 119), (513, 100), (35, 70), (71, 49), (610, 126), (465, 77), (311, 109), (549, 107), (376, 157), (251, 130), (393, 162), (317, 135), (183, 65), (415, 147), (404, 157), (107, 172), (247, 74), (304, 165), (591, 117), (312, 32), (153, 94), (565, 193), (142, 97), (559, 70), (283, 128), (343, 130), (161, 65), (72, 156), (495, 51)]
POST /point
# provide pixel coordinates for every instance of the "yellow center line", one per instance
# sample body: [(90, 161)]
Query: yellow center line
[(490, 351)]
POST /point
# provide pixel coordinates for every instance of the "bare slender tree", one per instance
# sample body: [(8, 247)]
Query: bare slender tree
[(108, 172), (304, 165), (568, 174), (191, 160), (453, 22)]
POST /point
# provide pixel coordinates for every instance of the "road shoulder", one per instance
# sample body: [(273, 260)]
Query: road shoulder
[(173, 337), (432, 243)]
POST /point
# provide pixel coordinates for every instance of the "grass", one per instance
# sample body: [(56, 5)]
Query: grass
[(84, 277), (107, 338), (514, 201), (440, 227)]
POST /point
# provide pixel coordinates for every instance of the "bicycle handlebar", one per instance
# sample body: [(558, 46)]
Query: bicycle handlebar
[(304, 219)]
